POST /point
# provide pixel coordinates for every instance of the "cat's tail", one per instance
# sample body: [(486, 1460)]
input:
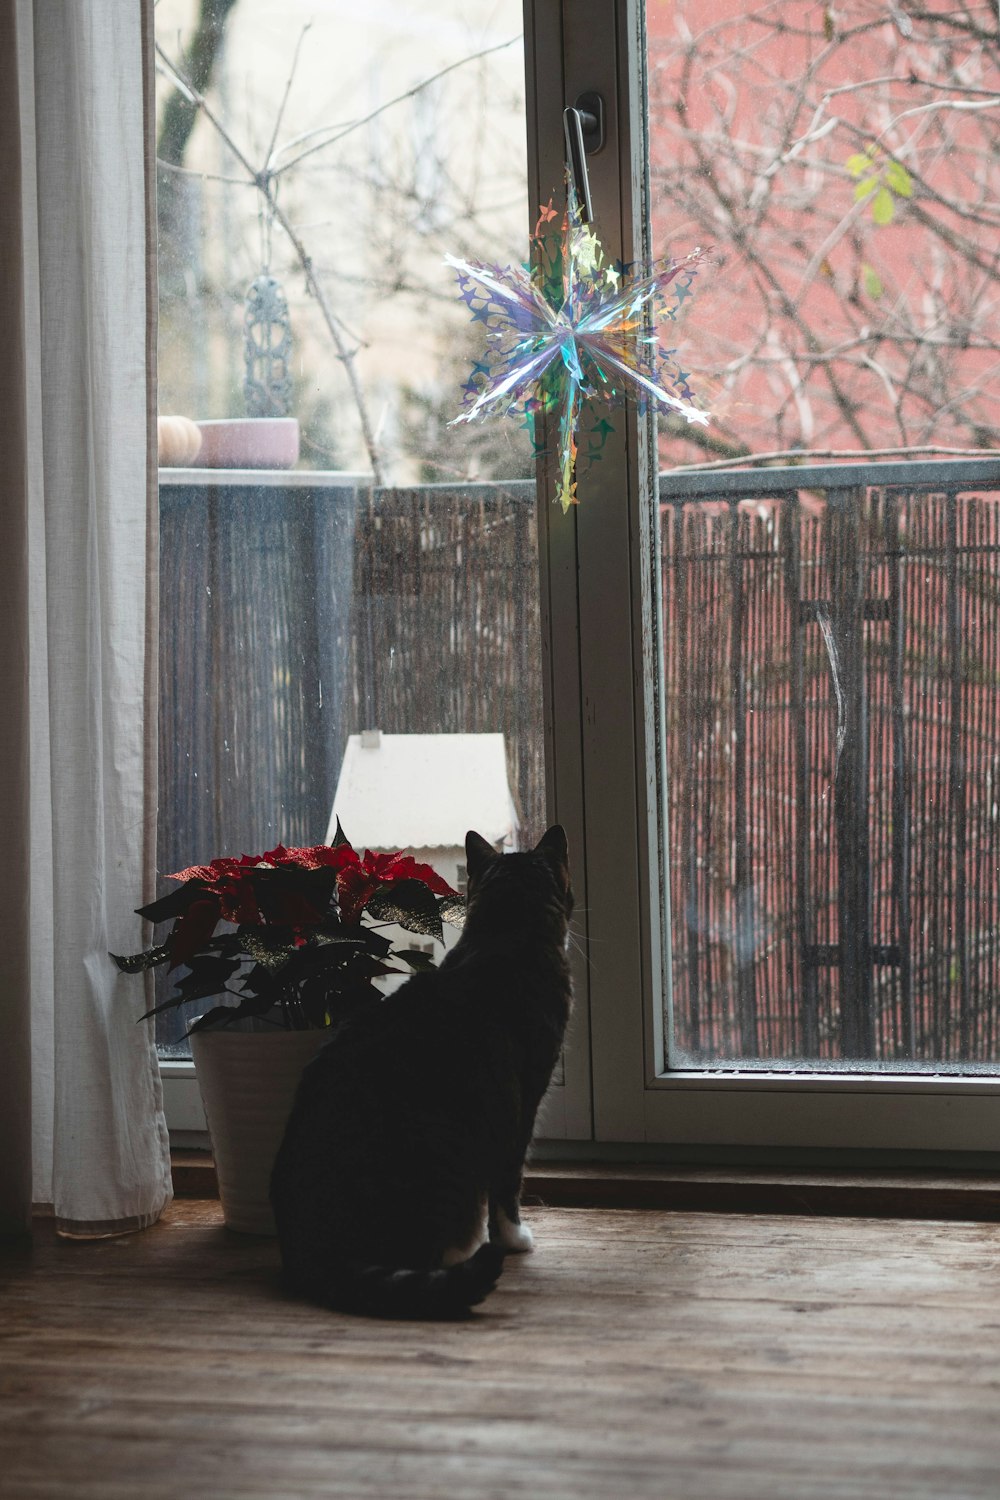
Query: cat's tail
[(389, 1292)]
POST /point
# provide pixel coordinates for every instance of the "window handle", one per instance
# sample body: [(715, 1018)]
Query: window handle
[(583, 125)]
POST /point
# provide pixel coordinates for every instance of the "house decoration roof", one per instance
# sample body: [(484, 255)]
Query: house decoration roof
[(423, 791)]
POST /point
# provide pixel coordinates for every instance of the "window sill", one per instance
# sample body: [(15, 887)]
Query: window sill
[(969, 1196)]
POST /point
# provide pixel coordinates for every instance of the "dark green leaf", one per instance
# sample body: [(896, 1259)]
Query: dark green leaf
[(260, 981), (197, 992), (138, 963), (364, 965), (249, 1007), (271, 948), (340, 838), (207, 976), (375, 942), (344, 937), (219, 1016), (319, 1001), (452, 910), (335, 932), (225, 944), (410, 904), (328, 955), (417, 960), (171, 1003), (174, 903), (205, 966)]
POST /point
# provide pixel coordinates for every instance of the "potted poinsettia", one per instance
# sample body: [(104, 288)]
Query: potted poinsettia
[(289, 941)]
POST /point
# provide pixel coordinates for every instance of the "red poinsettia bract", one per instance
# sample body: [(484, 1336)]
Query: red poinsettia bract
[(359, 880), (230, 893)]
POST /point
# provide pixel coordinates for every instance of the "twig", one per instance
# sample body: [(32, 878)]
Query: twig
[(399, 99), (284, 98), (263, 181), (170, 166)]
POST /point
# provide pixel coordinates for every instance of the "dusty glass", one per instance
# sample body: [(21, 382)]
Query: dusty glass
[(832, 699), (337, 560)]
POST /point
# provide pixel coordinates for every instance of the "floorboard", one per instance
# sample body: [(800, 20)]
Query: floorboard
[(636, 1353)]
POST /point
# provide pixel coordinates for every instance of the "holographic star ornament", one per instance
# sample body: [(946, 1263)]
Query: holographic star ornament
[(571, 328)]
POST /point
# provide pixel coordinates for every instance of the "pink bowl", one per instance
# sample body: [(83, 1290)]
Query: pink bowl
[(249, 443)]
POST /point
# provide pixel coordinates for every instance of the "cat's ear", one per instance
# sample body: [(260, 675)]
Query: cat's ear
[(478, 854), (556, 851)]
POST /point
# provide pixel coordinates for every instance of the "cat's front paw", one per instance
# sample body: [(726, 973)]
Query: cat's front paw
[(515, 1238)]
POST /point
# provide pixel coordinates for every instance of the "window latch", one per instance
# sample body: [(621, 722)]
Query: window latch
[(583, 125)]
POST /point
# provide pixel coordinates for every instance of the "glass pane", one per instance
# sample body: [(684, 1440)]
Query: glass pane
[(832, 698), (336, 560)]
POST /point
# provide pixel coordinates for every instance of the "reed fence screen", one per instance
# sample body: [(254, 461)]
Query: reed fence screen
[(832, 714), (832, 661), (293, 615), (446, 634)]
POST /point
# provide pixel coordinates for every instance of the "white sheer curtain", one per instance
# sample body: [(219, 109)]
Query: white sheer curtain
[(80, 532)]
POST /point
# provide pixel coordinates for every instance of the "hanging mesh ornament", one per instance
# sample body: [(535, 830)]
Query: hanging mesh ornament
[(267, 332)]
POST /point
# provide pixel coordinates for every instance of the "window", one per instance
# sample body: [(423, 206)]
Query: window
[(761, 969), (348, 584), (827, 633)]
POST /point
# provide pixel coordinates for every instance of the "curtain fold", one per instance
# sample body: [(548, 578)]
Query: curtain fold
[(81, 770), (15, 1033)]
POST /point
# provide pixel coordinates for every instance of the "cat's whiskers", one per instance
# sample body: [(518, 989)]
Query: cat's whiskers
[(572, 941)]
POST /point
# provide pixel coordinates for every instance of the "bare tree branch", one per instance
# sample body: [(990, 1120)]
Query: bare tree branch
[(853, 197), (341, 132), (264, 181)]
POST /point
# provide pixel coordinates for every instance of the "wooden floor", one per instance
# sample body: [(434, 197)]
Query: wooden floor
[(636, 1353)]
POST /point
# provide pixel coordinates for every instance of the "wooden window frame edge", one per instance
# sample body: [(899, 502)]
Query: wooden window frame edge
[(972, 1195), (602, 666)]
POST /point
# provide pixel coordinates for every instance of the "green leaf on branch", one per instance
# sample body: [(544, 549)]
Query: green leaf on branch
[(861, 162), (899, 179), (872, 281), (880, 179), (883, 207)]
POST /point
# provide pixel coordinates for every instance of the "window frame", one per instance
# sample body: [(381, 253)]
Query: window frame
[(602, 621), (605, 753)]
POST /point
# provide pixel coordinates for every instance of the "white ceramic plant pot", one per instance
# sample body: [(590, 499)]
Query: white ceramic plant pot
[(249, 443), (248, 1082)]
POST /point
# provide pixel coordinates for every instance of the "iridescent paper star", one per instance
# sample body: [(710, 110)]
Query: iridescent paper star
[(571, 328)]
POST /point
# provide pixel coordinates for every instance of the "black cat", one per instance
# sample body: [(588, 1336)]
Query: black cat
[(396, 1189)]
